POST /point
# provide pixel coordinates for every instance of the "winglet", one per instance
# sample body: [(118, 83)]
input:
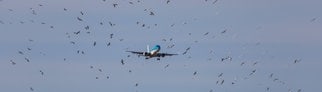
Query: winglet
[(147, 48)]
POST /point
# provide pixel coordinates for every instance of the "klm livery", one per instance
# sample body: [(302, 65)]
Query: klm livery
[(153, 53)]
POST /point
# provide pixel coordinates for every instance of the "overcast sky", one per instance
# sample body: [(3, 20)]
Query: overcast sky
[(235, 45)]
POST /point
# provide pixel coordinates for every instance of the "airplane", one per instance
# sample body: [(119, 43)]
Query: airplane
[(153, 53)]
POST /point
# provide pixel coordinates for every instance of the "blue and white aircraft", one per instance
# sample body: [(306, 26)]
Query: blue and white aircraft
[(153, 53)]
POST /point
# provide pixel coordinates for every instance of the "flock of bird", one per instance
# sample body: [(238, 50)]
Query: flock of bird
[(114, 38)]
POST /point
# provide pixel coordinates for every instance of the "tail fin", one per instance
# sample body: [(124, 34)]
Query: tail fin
[(147, 48)]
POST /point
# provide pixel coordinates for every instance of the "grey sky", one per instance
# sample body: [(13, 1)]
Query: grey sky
[(264, 36)]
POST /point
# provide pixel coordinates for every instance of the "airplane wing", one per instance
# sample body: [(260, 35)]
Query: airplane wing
[(164, 54), (136, 52)]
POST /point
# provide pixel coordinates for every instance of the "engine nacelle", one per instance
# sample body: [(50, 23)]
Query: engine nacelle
[(146, 54)]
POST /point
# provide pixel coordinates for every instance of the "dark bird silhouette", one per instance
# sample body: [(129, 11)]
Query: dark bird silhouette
[(115, 5), (122, 62), (297, 60), (215, 2), (20, 52), (72, 42), (27, 59), (168, 1), (108, 44), (13, 63), (111, 36), (206, 33), (167, 66), (195, 73), (65, 9), (86, 28), (81, 13), (31, 89), (299, 90), (255, 63), (267, 89), (111, 24), (222, 82), (242, 63), (151, 13), (41, 72), (79, 19), (252, 72), (271, 75), (225, 58), (94, 44), (91, 67), (220, 75), (76, 33), (136, 84), (224, 31), (100, 70)]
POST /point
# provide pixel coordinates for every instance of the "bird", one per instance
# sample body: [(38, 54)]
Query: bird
[(168, 1), (215, 2), (297, 60), (65, 9), (151, 13), (100, 70), (81, 13), (87, 27), (255, 63), (76, 33), (31, 89), (220, 75), (29, 49), (225, 58), (242, 63), (94, 44), (13, 63), (27, 59), (136, 84), (20, 52), (111, 36), (115, 5), (111, 24), (79, 19), (122, 62), (167, 66), (222, 82), (41, 72), (108, 44), (224, 31), (195, 73), (252, 72), (206, 33)]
